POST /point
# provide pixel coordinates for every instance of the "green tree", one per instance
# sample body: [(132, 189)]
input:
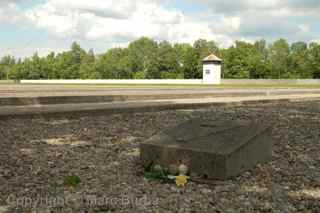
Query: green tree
[(181, 51), (279, 58), (35, 68), (298, 60), (143, 57), (67, 64), (190, 63), (205, 48), (30, 68), (6, 64), (313, 60), (49, 66), (168, 61), (243, 60), (15, 71), (115, 64), (88, 68)]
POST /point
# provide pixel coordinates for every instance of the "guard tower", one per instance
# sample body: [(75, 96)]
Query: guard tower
[(212, 70)]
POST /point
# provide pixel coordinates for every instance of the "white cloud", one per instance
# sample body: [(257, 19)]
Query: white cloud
[(8, 2), (269, 19), (227, 25), (9, 13), (117, 22), (113, 9), (97, 19), (125, 20), (29, 51), (231, 6), (304, 28)]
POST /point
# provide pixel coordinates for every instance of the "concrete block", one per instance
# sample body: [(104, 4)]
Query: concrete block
[(212, 149)]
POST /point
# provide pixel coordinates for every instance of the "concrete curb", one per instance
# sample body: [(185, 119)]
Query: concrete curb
[(79, 99), (93, 109), (52, 100)]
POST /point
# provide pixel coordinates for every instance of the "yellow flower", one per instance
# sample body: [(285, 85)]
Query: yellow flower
[(181, 180)]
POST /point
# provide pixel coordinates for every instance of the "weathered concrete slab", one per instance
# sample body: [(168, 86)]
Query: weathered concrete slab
[(82, 109), (75, 99), (212, 149)]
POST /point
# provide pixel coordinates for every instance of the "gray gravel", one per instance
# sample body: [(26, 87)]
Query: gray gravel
[(37, 154)]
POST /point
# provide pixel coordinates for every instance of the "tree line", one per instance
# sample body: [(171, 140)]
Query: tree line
[(148, 59)]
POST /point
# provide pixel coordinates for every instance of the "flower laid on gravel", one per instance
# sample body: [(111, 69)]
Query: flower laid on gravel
[(157, 172)]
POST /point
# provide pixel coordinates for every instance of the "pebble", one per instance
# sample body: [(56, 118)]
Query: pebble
[(157, 168), (109, 173), (205, 191), (4, 209)]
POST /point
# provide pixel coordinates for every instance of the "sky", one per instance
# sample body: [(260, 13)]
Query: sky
[(29, 26)]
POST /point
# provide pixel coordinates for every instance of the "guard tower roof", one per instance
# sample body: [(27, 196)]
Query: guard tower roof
[(212, 58)]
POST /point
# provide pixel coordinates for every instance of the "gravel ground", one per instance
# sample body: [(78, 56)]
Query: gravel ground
[(36, 156)]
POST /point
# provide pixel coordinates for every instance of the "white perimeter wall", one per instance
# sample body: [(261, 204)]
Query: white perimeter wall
[(271, 81), (7, 81), (135, 81), (177, 81)]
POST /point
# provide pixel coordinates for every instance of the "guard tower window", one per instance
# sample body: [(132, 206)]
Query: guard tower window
[(208, 72)]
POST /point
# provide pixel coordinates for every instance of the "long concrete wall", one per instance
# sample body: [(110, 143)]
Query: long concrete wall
[(271, 81), (136, 81), (7, 81), (178, 81)]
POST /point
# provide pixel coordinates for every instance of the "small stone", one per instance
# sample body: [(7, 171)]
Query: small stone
[(205, 191), (26, 151), (267, 206), (242, 197), (157, 168), (246, 174), (247, 203), (231, 210), (224, 201), (4, 209), (6, 173), (130, 139), (60, 182), (286, 187), (115, 164), (134, 153), (174, 189)]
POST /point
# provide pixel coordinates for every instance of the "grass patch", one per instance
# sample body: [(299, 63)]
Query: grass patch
[(157, 174), (72, 181)]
